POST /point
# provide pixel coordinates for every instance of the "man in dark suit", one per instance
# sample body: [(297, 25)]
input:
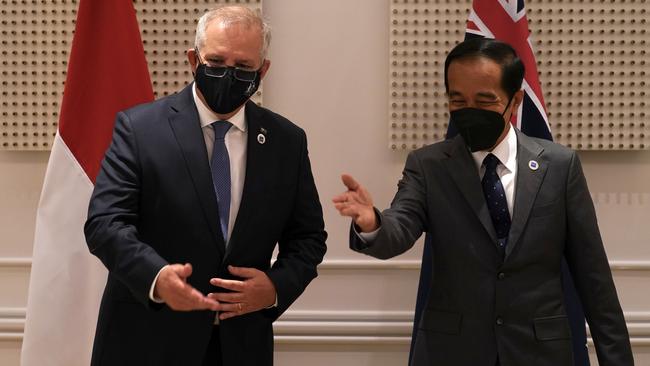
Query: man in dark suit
[(503, 209), (194, 193)]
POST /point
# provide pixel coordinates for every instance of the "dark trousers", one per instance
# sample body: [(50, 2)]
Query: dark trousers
[(213, 353)]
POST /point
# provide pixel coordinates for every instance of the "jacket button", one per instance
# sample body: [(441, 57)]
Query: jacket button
[(501, 275), (499, 321)]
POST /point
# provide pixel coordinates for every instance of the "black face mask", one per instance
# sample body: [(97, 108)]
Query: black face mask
[(479, 128), (226, 92)]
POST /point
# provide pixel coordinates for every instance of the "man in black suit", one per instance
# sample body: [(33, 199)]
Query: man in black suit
[(503, 209), (194, 193)]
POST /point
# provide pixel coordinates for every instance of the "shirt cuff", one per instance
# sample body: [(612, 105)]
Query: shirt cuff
[(153, 286), (366, 237), (275, 305)]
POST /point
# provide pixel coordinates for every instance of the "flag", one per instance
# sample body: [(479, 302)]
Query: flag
[(506, 21), (107, 72)]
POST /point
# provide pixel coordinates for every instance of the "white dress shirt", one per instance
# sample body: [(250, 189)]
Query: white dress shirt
[(236, 143), (506, 152)]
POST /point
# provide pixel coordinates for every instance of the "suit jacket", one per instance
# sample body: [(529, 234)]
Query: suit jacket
[(154, 204), (481, 306)]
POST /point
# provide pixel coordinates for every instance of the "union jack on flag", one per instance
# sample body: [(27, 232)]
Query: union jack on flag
[(506, 21)]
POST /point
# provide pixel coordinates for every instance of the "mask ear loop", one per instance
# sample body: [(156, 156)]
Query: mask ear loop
[(251, 87), (508, 105), (253, 84), (197, 56)]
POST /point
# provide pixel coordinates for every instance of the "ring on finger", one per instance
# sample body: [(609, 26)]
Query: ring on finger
[(239, 305)]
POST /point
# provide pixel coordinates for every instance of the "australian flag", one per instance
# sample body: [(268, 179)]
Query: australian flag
[(506, 21)]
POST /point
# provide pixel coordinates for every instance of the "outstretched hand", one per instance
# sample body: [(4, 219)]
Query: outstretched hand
[(172, 288), (357, 204)]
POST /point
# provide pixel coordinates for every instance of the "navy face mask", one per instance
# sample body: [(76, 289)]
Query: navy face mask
[(480, 128), (226, 88)]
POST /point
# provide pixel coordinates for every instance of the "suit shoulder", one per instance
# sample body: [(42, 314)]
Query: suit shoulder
[(553, 150), (146, 111), (436, 150), (147, 116)]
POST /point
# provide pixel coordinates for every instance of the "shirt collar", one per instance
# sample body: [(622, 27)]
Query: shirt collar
[(207, 116), (506, 151)]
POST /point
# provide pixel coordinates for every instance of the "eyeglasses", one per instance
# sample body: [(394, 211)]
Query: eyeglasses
[(237, 73), (221, 71)]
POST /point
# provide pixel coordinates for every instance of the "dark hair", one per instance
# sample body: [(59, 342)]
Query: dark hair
[(512, 69)]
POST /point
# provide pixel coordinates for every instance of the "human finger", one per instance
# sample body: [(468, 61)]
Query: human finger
[(226, 297), (341, 198), (184, 297), (232, 310), (350, 182), (233, 285), (244, 272)]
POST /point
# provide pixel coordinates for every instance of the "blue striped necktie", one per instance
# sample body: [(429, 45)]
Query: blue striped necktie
[(220, 166), (495, 197)]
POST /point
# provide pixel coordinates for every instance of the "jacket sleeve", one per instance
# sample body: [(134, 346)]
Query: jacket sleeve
[(403, 223), (589, 267), (302, 243), (111, 228)]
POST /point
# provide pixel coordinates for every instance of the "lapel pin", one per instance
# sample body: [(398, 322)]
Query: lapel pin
[(533, 165), (261, 137)]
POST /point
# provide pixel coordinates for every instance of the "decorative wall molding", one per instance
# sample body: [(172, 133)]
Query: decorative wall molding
[(12, 324), (371, 264), (412, 264), (15, 262), (342, 340), (15, 337), (361, 328), (307, 327), (349, 315)]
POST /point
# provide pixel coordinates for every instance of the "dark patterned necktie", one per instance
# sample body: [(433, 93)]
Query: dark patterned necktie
[(220, 166), (495, 197)]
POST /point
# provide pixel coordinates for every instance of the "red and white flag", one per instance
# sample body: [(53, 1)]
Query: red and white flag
[(107, 72)]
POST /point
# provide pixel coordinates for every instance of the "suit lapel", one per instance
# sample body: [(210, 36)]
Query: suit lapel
[(462, 169), (257, 174), (184, 121), (528, 183)]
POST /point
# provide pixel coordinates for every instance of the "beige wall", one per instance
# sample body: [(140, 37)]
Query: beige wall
[(329, 74)]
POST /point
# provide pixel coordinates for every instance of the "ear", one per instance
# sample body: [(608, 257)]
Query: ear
[(516, 101), (192, 58), (264, 68)]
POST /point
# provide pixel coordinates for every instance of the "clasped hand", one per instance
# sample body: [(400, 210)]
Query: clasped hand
[(253, 293)]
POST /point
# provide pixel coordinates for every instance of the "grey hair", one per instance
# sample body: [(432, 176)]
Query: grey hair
[(234, 15)]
